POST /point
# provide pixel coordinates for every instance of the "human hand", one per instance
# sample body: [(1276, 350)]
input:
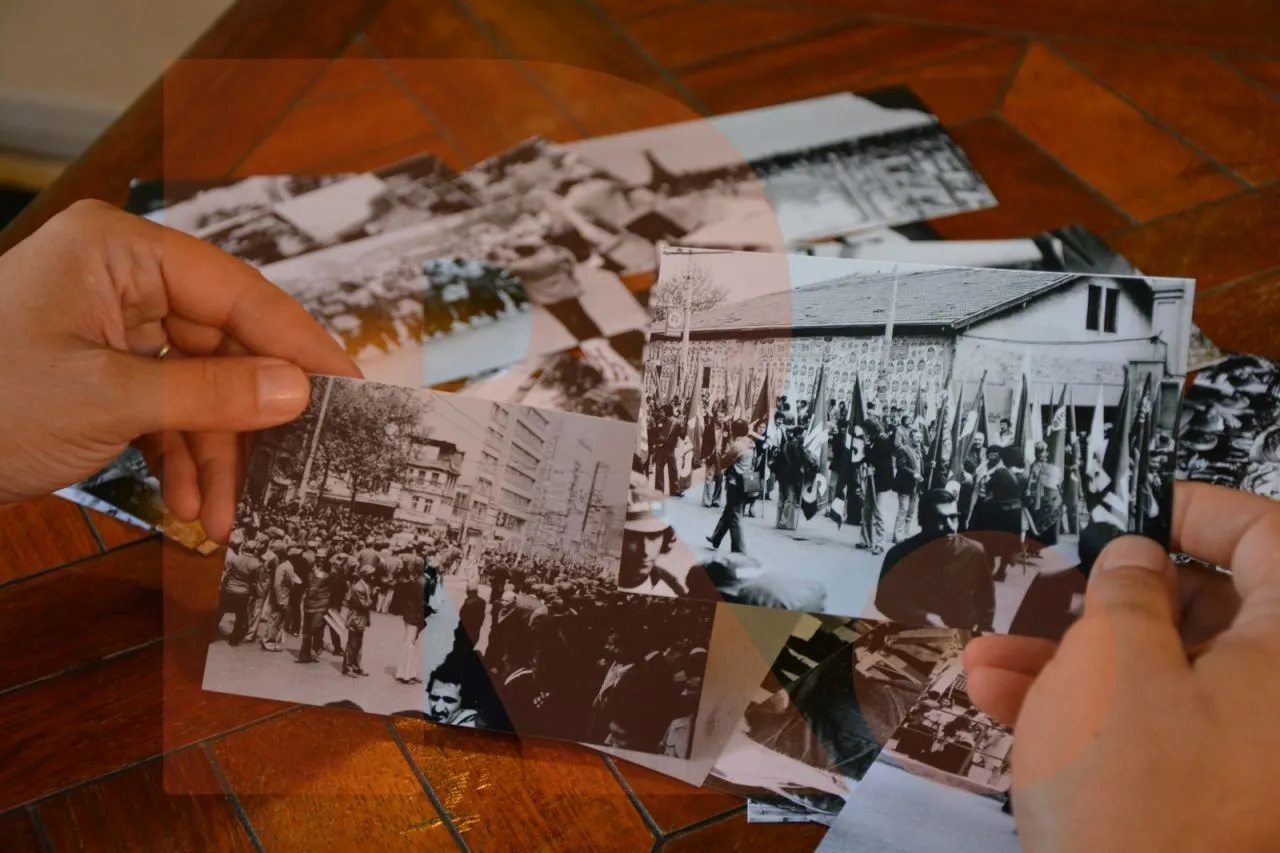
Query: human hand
[(1153, 726), (86, 303)]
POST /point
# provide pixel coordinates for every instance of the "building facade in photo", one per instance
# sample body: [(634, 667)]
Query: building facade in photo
[(935, 331)]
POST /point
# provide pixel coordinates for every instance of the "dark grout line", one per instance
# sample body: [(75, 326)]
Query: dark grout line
[(1245, 76), (73, 563), (703, 824), (311, 101), (1218, 289), (1088, 187), (234, 798), (660, 10), (635, 800), (42, 831), (1137, 225), (85, 665), (284, 113), (384, 63), (426, 786), (1013, 77), (667, 76), (1158, 123), (850, 22), (482, 26), (93, 529)]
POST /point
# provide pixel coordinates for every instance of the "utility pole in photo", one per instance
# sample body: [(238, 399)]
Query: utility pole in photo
[(315, 443)]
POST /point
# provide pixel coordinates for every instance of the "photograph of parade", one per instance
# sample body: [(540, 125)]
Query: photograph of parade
[(404, 551), (767, 178), (909, 443), (831, 722)]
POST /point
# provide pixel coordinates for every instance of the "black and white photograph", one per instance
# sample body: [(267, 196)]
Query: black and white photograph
[(601, 377), (1230, 429), (1071, 249), (947, 760), (771, 177), (404, 551), (568, 301), (816, 423), (804, 746), (191, 205)]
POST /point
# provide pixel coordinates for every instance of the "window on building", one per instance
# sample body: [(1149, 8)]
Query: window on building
[(498, 414), (519, 478), (460, 500), (540, 418), (1104, 305), (428, 505), (1109, 311), (479, 511), (529, 436), (1092, 318), (706, 377), (493, 436), (524, 457), (489, 458), (511, 499), (484, 486), (435, 477)]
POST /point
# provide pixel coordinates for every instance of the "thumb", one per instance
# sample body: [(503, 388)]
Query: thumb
[(1133, 588), (214, 394)]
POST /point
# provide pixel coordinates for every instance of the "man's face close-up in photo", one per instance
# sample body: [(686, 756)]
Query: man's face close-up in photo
[(639, 555), (443, 700), (946, 520)]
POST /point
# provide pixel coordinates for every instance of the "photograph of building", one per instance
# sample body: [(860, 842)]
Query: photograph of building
[(860, 395)]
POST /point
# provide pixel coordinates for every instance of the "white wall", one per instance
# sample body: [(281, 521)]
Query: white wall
[(69, 67)]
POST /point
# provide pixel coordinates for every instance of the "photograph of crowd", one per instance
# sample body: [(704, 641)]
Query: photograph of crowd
[(834, 718), (865, 441), (455, 559), (570, 300), (1230, 429), (197, 205), (771, 177)]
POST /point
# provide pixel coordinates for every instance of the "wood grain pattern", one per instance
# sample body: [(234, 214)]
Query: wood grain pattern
[(106, 815), (822, 66), (673, 804), (41, 533), (325, 779), (1107, 142), (735, 834), (500, 790), (320, 131), (1034, 192), (19, 833), (701, 33), (1215, 244), (1230, 120), (1253, 330), (1071, 143), (118, 594)]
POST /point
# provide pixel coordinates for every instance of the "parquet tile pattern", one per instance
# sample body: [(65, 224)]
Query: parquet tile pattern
[(1156, 124)]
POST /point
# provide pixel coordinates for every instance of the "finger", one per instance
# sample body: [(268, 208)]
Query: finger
[(210, 287), (180, 484), (1210, 603), (1133, 593), (999, 693), (1026, 655), (1233, 529), (203, 394), (216, 455)]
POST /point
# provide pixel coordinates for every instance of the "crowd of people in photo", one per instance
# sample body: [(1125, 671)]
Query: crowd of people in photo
[(554, 649), (965, 515)]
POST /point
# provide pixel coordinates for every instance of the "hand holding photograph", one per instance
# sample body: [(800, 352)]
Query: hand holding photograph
[(906, 442), (456, 559)]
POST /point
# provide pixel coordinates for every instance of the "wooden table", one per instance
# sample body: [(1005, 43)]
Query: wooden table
[(1154, 122)]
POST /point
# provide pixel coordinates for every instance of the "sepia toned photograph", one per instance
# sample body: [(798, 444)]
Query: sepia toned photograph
[(833, 719), (405, 551), (197, 205), (837, 433)]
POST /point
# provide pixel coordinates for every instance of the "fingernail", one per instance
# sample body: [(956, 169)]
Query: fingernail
[(281, 388), (1133, 552)]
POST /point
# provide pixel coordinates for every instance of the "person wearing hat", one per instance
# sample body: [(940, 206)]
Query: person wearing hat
[(359, 603), (315, 604), (645, 538), (237, 587), (282, 582), (1044, 498)]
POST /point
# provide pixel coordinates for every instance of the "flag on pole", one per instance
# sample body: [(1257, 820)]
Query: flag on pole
[(1057, 441), (763, 402), (918, 413), (1035, 426), (815, 440), (1021, 407), (1109, 483), (975, 418), (935, 470), (1144, 508)]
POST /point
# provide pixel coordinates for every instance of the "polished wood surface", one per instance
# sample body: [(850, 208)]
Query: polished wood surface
[(1155, 123)]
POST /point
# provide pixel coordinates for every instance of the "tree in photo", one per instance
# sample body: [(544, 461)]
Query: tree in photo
[(695, 287)]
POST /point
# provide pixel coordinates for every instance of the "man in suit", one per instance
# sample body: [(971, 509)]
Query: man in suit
[(907, 478)]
